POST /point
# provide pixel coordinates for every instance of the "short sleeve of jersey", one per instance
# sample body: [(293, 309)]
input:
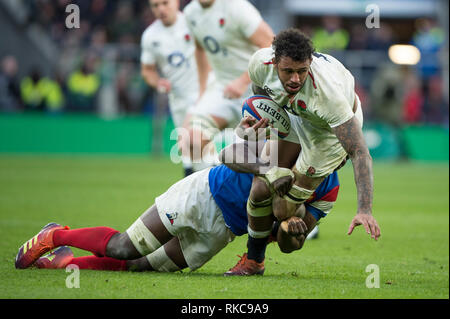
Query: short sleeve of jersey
[(256, 66), (246, 16), (337, 110), (147, 55)]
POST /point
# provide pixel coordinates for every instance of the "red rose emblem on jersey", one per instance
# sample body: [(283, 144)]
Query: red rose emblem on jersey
[(302, 104), (222, 22), (187, 37)]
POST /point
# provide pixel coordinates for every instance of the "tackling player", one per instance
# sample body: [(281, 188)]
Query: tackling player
[(168, 63), (227, 33), (209, 212), (319, 91)]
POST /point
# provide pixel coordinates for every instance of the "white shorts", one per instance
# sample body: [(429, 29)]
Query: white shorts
[(321, 151), (179, 107), (214, 103), (189, 212)]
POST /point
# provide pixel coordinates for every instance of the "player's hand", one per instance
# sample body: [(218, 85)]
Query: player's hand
[(249, 128), (163, 86), (282, 185), (235, 89), (294, 226), (369, 223)]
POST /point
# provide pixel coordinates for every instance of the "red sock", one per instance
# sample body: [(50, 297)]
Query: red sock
[(99, 263), (93, 239)]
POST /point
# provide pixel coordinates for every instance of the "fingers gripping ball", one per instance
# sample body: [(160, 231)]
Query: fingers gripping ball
[(260, 106)]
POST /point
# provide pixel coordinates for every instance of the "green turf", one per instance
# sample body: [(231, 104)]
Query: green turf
[(411, 204)]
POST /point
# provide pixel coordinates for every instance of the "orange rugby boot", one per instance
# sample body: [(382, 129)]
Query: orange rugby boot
[(57, 259), (246, 267), (37, 246)]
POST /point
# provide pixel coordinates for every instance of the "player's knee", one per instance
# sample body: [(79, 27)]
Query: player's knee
[(260, 191), (283, 209), (121, 247)]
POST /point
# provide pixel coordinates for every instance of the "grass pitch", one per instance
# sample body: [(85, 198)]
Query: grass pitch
[(411, 205)]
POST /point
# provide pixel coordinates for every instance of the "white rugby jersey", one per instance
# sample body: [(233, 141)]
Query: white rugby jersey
[(172, 49), (223, 31), (325, 100)]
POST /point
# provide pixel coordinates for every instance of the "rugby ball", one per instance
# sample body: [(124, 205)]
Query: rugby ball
[(260, 106)]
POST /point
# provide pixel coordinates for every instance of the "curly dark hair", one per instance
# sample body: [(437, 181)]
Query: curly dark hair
[(294, 44)]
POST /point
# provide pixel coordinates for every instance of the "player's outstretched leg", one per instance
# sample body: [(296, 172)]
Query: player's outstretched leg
[(167, 258), (260, 220), (146, 235), (59, 258), (38, 245)]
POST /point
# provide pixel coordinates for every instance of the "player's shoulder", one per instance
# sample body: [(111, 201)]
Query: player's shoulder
[(152, 30), (329, 73), (263, 56), (325, 60), (192, 9), (260, 63)]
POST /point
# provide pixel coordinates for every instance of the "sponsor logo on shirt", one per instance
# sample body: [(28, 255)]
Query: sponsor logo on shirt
[(171, 217)]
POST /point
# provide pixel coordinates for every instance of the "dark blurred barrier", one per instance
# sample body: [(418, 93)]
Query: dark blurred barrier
[(139, 135)]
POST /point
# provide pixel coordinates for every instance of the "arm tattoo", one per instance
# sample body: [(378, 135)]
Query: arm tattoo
[(352, 140)]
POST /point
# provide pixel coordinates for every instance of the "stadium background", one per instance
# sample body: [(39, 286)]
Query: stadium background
[(73, 99), (405, 107)]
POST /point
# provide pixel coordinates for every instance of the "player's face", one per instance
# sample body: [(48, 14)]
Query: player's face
[(165, 10), (206, 3), (292, 74)]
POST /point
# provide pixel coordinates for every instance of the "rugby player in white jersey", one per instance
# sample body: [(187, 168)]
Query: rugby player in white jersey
[(227, 33), (188, 224), (320, 92), (168, 63)]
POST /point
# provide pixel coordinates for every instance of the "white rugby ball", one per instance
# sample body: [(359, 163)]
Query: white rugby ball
[(260, 106)]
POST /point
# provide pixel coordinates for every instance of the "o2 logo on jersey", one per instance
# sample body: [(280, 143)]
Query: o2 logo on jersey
[(176, 59), (213, 46)]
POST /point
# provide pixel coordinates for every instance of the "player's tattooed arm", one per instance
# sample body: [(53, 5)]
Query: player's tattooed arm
[(351, 137)]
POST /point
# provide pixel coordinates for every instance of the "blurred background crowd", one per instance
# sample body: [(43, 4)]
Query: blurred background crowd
[(46, 67)]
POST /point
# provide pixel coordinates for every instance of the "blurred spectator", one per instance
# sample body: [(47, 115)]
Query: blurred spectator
[(54, 94), (435, 106), (359, 38), (413, 100), (99, 12), (32, 91), (41, 93), (125, 25), (380, 38), (9, 88), (429, 39), (331, 36), (386, 94), (83, 85)]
